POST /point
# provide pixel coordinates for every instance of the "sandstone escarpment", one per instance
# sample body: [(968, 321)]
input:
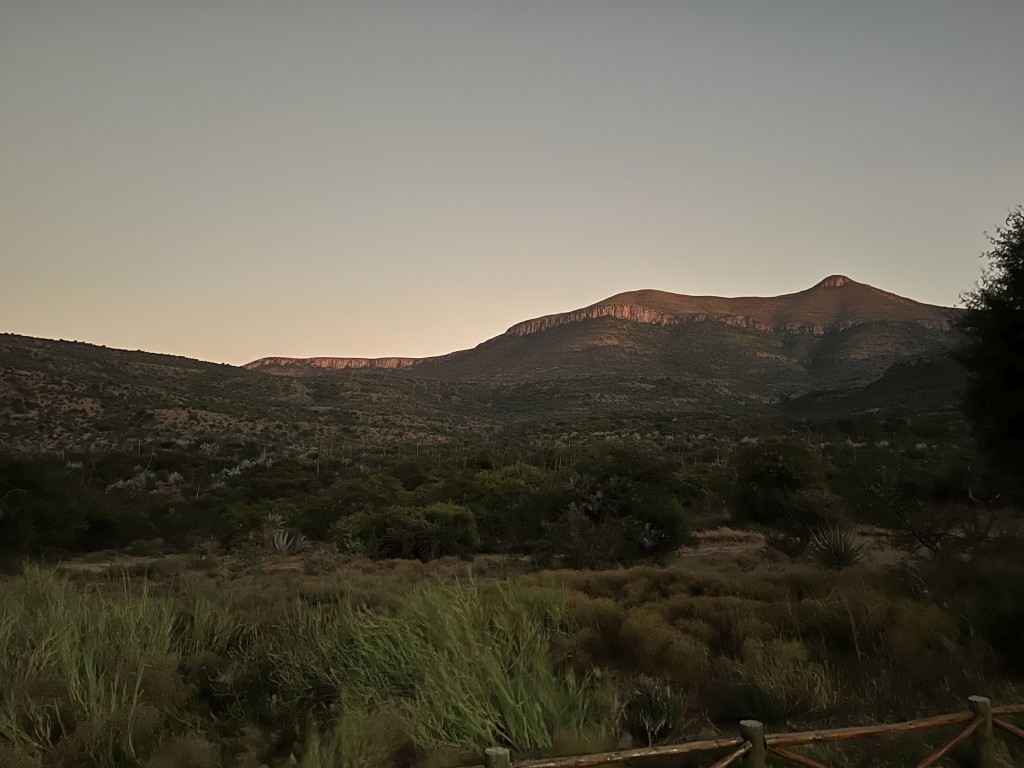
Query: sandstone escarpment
[(642, 314), (337, 363), (635, 313)]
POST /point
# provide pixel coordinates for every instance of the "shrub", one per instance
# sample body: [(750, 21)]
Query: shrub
[(653, 710), (411, 532), (452, 530), (780, 483), (657, 645)]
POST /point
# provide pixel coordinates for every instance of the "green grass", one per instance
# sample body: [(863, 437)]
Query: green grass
[(88, 655), (458, 668), (465, 666)]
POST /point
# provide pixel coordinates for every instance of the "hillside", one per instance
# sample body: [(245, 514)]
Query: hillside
[(56, 395), (634, 362)]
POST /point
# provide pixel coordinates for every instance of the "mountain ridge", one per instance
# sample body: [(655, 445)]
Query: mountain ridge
[(834, 304), (638, 358)]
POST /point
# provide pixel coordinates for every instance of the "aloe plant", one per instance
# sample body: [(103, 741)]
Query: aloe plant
[(836, 548), (287, 543)]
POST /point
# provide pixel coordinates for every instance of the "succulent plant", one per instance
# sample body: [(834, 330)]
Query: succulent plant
[(836, 548), (288, 543)]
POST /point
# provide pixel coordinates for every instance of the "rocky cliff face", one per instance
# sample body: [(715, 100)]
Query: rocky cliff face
[(635, 313), (386, 363), (641, 314)]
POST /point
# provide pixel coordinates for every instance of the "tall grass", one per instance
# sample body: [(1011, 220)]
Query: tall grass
[(128, 674), (86, 655), (462, 666), (457, 668)]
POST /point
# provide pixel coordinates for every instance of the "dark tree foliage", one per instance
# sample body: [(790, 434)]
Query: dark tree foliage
[(780, 483), (994, 354), (40, 506)]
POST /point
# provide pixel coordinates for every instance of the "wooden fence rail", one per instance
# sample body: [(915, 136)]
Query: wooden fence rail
[(752, 746)]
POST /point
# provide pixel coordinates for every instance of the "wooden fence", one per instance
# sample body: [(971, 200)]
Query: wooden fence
[(751, 747)]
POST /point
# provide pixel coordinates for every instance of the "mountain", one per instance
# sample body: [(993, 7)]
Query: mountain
[(836, 303), (635, 362), (837, 334)]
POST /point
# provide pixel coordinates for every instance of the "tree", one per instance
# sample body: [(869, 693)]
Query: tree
[(411, 532), (780, 483), (994, 352), (512, 503)]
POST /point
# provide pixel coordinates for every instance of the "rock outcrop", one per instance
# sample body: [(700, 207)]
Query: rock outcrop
[(632, 312), (386, 363)]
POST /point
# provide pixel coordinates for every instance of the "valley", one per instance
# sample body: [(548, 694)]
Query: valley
[(634, 523)]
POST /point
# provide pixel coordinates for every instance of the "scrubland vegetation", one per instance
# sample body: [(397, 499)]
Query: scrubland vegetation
[(186, 660), (246, 606), (593, 502)]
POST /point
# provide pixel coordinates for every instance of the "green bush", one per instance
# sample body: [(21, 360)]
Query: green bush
[(394, 532), (780, 483), (512, 504), (422, 533), (452, 530)]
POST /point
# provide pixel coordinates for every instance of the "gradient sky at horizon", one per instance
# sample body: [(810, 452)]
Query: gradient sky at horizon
[(231, 179)]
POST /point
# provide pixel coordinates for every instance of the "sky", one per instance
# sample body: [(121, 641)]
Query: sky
[(232, 179)]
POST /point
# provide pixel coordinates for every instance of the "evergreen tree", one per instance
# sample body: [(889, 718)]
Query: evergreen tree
[(994, 353)]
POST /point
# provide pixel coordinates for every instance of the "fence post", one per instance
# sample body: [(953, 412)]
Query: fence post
[(753, 731), (497, 757), (984, 739)]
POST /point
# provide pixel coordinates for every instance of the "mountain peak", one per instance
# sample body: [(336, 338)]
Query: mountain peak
[(834, 281), (814, 311)]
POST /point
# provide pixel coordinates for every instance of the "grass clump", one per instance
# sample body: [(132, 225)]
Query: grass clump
[(653, 710), (82, 674), (780, 680), (465, 667)]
